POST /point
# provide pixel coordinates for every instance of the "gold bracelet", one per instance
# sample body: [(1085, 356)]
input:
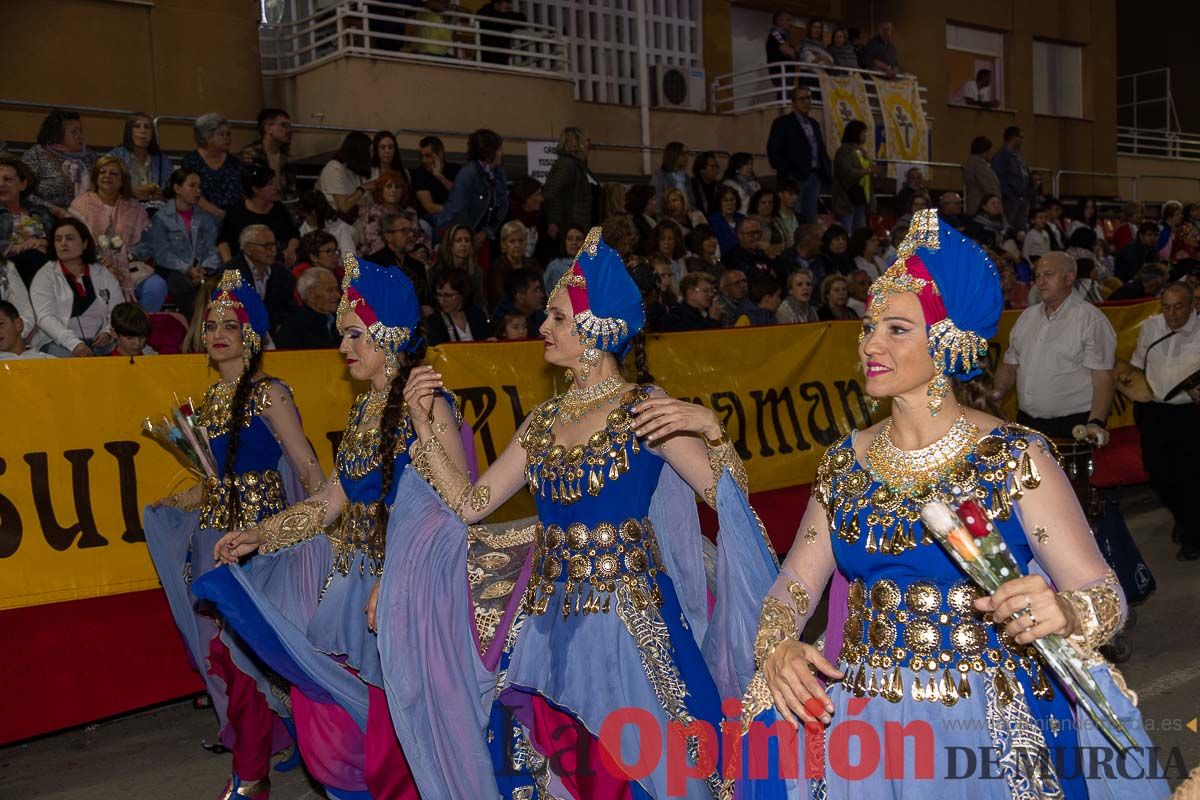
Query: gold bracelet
[(723, 439), (777, 622), (433, 463), (1097, 613), (725, 457), (298, 523)]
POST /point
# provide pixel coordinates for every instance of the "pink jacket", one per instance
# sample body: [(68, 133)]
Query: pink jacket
[(128, 222)]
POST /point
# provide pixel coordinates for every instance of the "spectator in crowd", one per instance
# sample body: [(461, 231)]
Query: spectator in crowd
[(641, 206), (764, 207), (1185, 244), (1060, 357), (834, 258), (73, 296), (524, 295), (1127, 228), (725, 220), (662, 296), (918, 202), (988, 226), (479, 198), (316, 214), (258, 262), (979, 92), (131, 328), (797, 306), (512, 327), (1016, 185), (220, 173), (391, 195), (148, 166), (702, 242), (733, 298), (13, 339), (620, 235), (1037, 238), (1016, 293), (787, 217), (950, 209), (434, 41), (24, 222), (853, 199), (749, 257), (1170, 215), (812, 48), (858, 286), (117, 222), (676, 209), (1138, 252), (880, 54), (498, 17), (865, 250), (345, 179), (841, 50), (698, 264), (385, 156), (779, 48), (739, 176), (14, 291), (614, 199), (1085, 215), (806, 246), (666, 241), (513, 238), (272, 150), (1167, 352), (765, 296), (457, 318), (572, 243), (1054, 223), (672, 171), (433, 179), (397, 230), (1146, 284), (182, 239), (525, 205), (60, 161), (317, 248), (458, 252), (259, 206), (796, 150), (706, 182), (979, 178), (698, 310), (572, 193), (834, 294), (314, 324), (914, 184)]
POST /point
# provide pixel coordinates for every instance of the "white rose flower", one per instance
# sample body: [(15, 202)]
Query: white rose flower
[(102, 241), (116, 242)]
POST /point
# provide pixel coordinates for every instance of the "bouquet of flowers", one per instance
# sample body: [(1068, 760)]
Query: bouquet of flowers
[(978, 548), (184, 438)]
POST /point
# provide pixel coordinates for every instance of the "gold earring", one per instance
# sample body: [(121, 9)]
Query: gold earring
[(939, 387), (589, 359), (570, 376), (874, 404), (390, 365)]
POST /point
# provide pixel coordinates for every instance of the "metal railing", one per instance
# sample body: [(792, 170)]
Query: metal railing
[(1157, 143), (447, 38), (769, 86)]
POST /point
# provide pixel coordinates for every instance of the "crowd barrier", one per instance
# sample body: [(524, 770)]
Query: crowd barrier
[(79, 601)]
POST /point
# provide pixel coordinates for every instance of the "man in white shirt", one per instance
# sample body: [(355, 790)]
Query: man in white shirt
[(1060, 356), (12, 334), (1168, 351)]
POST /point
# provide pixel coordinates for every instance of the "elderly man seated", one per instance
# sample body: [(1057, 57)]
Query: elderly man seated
[(314, 325)]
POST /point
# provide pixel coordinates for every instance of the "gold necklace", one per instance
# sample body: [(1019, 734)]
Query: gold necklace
[(576, 402), (911, 472), (376, 401)]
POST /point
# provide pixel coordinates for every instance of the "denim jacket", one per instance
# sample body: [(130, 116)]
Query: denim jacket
[(478, 200), (167, 241)]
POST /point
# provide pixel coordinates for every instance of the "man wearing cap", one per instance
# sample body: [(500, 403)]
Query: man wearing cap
[(1167, 353), (1060, 356)]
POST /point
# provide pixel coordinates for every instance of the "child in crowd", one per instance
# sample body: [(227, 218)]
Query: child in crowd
[(131, 324), (513, 327)]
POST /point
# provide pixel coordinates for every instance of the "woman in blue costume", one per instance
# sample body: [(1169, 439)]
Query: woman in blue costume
[(324, 641), (261, 453), (911, 644), (609, 617)]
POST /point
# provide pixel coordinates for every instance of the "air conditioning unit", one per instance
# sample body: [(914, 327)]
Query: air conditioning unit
[(678, 87)]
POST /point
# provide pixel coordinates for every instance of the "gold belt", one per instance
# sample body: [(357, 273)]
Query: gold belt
[(357, 530), (594, 560), (931, 630), (260, 493)]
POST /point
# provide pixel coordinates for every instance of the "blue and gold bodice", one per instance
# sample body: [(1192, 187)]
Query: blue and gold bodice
[(593, 503), (255, 477), (912, 626)]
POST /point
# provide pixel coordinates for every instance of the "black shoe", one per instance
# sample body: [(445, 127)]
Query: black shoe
[(1188, 553)]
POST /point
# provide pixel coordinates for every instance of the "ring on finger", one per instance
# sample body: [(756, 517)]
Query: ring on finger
[(1032, 621)]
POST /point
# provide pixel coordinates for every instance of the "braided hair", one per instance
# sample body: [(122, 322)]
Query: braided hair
[(237, 420), (389, 428)]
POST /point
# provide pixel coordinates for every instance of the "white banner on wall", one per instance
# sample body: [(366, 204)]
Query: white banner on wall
[(542, 156)]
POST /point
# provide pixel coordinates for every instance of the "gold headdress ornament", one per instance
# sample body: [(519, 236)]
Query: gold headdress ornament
[(596, 333), (390, 337), (226, 300)]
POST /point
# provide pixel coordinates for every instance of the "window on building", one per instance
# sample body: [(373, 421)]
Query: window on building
[(974, 67), (1057, 79)]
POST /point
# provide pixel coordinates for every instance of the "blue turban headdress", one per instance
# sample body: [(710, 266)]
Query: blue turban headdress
[(385, 299), (606, 303), (233, 294)]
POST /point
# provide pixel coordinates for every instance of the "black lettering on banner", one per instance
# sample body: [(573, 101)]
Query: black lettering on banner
[(482, 402), (729, 404), (58, 537), (774, 398), (844, 390), (127, 482), (514, 400), (815, 392), (10, 523)]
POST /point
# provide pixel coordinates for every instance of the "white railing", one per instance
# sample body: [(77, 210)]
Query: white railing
[(1158, 143), (769, 86), (360, 27)]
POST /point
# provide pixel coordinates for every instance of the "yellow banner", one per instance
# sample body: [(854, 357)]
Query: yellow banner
[(844, 98), (75, 471), (906, 133)]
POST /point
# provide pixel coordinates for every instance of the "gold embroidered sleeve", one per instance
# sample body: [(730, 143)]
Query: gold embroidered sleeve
[(433, 463), (297, 524), (189, 499), (1098, 613), (725, 457), (784, 611)]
